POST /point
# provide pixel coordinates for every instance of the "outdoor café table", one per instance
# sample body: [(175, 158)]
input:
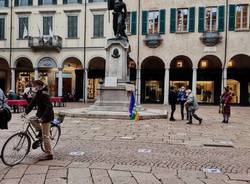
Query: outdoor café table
[(18, 105), (57, 101)]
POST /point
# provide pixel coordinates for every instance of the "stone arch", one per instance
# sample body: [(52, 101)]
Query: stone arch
[(73, 58), (47, 62), (210, 62), (181, 61)]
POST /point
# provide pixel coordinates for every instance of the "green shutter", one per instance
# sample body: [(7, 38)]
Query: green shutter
[(201, 19), (54, 1), (221, 22), (144, 29), (30, 2), (40, 2), (21, 26), (173, 20), (65, 1), (133, 22), (192, 19), (80, 1), (2, 28), (16, 2), (162, 21), (6, 4), (232, 17)]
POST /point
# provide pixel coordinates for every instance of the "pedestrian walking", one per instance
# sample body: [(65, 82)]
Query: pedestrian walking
[(192, 106), (45, 115), (225, 104), (182, 98), (172, 102)]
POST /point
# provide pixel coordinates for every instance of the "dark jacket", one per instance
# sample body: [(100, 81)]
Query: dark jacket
[(172, 97), (44, 106)]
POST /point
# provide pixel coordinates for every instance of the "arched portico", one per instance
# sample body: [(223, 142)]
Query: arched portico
[(152, 80)]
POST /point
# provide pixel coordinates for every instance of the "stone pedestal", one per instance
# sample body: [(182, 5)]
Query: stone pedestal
[(114, 94)]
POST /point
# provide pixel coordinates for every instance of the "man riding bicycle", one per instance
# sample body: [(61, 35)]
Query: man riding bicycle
[(45, 115)]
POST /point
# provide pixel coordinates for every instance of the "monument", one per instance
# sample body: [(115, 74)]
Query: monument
[(114, 93)]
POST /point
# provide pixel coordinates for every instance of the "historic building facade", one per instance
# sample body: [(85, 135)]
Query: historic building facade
[(199, 44)]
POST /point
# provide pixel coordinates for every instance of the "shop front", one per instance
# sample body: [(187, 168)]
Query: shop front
[(4, 75), (24, 74), (181, 72), (72, 77), (238, 79), (96, 75), (47, 69), (152, 80), (209, 77)]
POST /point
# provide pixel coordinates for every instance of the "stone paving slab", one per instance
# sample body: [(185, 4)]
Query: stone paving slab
[(177, 153)]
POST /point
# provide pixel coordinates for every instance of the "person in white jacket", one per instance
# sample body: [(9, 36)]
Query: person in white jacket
[(192, 106)]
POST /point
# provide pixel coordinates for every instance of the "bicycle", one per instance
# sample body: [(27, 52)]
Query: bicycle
[(17, 147)]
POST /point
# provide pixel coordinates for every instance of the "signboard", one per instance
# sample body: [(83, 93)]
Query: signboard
[(111, 81), (210, 49)]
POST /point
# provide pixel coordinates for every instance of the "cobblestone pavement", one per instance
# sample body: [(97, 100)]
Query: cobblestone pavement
[(93, 151)]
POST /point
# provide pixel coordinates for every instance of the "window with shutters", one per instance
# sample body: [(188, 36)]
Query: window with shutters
[(23, 2), (2, 3), (2, 28), (242, 17), (98, 26), (72, 26), (23, 27), (182, 20), (47, 2), (211, 19), (153, 22), (128, 23), (47, 25)]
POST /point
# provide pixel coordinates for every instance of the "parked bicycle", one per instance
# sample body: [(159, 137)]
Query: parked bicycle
[(17, 147)]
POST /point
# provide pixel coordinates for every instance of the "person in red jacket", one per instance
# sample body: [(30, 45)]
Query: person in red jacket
[(226, 99)]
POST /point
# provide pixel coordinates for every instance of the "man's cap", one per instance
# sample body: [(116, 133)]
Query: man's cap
[(38, 82)]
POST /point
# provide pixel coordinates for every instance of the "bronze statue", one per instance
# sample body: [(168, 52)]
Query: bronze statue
[(119, 17)]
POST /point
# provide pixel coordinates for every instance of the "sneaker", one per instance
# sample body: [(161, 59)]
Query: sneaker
[(36, 144), (46, 157), (200, 121), (189, 122), (171, 119), (223, 121)]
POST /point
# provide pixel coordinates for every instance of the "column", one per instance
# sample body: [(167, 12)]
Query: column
[(166, 86), (224, 79), (85, 90), (36, 74), (60, 82), (13, 79), (194, 81), (138, 86)]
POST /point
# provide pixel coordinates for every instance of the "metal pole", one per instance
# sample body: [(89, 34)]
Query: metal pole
[(84, 50), (226, 42), (138, 52), (11, 27)]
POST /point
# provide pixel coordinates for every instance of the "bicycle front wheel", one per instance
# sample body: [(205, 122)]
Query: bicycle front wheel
[(55, 133), (15, 149)]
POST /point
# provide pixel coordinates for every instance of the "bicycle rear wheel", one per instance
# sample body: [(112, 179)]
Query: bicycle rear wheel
[(15, 149), (55, 133)]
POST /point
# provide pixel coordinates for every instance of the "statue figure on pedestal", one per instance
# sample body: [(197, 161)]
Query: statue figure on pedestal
[(119, 17)]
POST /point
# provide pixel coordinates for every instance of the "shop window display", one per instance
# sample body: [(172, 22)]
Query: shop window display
[(205, 91), (23, 79), (179, 84), (153, 91), (93, 84), (234, 87)]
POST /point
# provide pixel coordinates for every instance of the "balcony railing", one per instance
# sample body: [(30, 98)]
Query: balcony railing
[(211, 38), (153, 40), (46, 43)]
